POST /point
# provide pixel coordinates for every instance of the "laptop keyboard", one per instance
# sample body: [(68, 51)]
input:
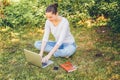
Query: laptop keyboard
[(44, 64)]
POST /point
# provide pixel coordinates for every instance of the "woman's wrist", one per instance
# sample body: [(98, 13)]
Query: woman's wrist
[(41, 52)]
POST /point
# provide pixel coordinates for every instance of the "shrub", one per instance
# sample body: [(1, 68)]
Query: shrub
[(110, 9), (32, 12), (24, 13)]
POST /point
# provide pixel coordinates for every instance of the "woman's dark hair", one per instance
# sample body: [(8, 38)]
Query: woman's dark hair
[(52, 8)]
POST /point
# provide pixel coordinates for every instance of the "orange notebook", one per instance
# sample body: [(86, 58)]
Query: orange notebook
[(68, 66)]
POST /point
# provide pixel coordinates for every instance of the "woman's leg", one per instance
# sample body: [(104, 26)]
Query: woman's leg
[(49, 46), (66, 51), (63, 51)]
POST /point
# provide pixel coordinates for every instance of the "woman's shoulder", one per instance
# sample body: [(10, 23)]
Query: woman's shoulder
[(65, 20), (47, 22)]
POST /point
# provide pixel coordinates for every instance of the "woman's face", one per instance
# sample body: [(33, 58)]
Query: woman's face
[(50, 16)]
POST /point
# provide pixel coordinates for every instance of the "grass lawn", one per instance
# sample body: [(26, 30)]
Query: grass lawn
[(97, 57)]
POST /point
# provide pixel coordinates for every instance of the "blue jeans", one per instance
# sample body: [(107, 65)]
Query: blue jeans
[(65, 50)]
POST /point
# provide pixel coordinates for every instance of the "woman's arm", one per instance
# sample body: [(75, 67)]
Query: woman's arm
[(46, 58), (42, 48), (45, 38), (54, 49)]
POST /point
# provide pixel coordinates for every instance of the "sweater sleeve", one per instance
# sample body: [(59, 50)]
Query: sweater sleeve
[(47, 32), (63, 32)]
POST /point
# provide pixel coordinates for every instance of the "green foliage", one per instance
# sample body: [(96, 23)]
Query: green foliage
[(75, 10), (103, 7), (24, 13), (110, 9), (31, 13)]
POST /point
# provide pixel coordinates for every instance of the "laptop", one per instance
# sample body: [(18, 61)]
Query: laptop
[(35, 59)]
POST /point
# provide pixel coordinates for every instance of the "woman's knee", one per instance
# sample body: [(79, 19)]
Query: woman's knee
[(62, 53), (70, 51), (66, 52), (37, 44)]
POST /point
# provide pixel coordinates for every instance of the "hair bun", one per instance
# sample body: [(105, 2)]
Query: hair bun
[(55, 5), (52, 8)]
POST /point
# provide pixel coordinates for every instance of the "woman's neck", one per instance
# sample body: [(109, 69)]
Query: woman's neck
[(57, 21)]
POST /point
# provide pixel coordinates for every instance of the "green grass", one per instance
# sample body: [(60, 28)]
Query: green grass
[(95, 57)]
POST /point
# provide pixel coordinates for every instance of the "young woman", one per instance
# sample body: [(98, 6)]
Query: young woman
[(64, 44)]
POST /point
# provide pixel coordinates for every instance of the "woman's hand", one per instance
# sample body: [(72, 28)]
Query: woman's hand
[(46, 58), (41, 55)]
